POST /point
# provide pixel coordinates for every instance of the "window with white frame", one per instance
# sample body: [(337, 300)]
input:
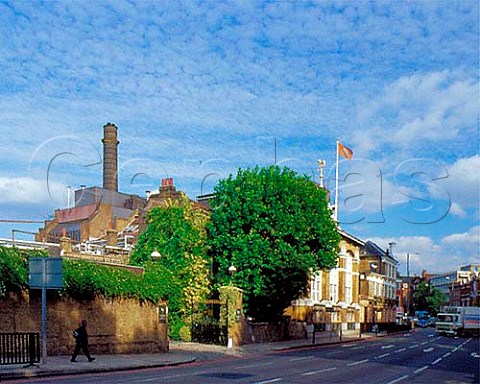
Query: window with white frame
[(334, 316), (350, 317), (334, 285), (316, 287), (348, 278)]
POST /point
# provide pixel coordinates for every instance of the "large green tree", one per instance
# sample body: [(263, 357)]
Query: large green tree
[(275, 227), (177, 232), (427, 298)]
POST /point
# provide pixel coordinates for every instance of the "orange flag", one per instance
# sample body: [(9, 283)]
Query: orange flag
[(344, 151)]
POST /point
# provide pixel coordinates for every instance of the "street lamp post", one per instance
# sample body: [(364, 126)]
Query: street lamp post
[(451, 290), (408, 281), (231, 271)]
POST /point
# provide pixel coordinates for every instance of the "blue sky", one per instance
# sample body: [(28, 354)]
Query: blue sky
[(199, 89)]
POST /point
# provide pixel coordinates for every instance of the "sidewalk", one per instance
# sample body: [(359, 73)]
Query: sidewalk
[(180, 353)]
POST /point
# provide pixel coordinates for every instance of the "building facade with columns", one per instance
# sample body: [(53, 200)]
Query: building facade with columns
[(332, 300)]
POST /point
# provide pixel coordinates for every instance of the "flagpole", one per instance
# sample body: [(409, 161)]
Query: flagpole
[(336, 185)]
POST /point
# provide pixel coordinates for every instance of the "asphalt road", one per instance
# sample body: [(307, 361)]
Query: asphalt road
[(418, 357)]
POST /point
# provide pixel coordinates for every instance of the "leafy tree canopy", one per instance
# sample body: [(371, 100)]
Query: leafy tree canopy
[(275, 227), (427, 298)]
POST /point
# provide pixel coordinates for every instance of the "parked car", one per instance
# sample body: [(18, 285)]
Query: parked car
[(422, 319)]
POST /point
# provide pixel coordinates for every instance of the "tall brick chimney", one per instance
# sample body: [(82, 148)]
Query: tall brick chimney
[(110, 143)]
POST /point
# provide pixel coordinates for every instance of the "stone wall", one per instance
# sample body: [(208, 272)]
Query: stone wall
[(114, 326), (258, 332)]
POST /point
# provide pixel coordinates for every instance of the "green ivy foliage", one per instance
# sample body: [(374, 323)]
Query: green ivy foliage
[(85, 280), (275, 227), (177, 232), (82, 279), (13, 270)]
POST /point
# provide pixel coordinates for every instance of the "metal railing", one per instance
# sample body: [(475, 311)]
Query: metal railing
[(19, 348)]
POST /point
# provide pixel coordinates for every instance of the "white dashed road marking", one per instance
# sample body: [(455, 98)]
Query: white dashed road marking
[(384, 355), (437, 361), (303, 358), (319, 371), (333, 353), (428, 350), (388, 346), (357, 362), (270, 381), (421, 369), (253, 365), (397, 380)]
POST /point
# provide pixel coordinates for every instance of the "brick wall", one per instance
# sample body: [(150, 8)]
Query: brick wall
[(100, 221), (114, 326)]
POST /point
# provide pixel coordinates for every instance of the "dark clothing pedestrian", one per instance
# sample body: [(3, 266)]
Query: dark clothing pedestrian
[(81, 342)]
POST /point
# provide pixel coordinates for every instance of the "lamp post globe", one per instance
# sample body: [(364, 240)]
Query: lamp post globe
[(232, 269)]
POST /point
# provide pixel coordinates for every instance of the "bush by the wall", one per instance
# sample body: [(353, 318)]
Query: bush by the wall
[(81, 279), (14, 269)]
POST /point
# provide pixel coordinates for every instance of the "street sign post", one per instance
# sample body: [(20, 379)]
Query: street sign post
[(45, 273)]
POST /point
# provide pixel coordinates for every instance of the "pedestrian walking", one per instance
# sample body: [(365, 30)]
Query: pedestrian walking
[(81, 342)]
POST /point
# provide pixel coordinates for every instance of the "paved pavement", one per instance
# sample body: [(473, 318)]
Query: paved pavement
[(180, 353)]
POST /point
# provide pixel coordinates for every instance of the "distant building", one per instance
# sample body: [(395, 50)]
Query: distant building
[(167, 191), (465, 291), (446, 282), (96, 209), (406, 286), (104, 224)]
